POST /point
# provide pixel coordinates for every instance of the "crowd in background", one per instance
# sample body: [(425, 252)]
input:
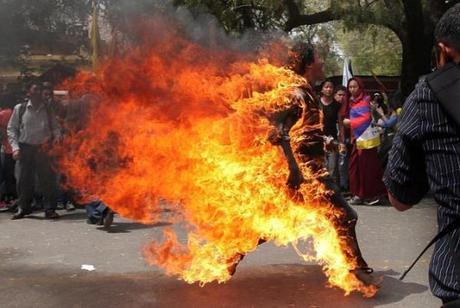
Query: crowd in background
[(358, 130), (29, 178)]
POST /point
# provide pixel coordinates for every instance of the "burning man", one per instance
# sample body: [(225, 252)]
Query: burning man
[(298, 130)]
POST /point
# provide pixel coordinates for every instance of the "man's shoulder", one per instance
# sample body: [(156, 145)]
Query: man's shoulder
[(421, 94)]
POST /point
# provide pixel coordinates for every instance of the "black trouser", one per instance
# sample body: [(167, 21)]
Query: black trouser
[(8, 179), (34, 162), (346, 222), (455, 303)]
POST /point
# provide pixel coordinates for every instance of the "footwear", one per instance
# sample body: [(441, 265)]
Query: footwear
[(108, 220), (69, 206), (21, 214), (366, 277), (51, 214), (355, 201), (234, 261), (60, 205), (372, 201), (3, 204)]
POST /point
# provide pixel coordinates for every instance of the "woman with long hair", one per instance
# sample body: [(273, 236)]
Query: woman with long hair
[(330, 108), (365, 170)]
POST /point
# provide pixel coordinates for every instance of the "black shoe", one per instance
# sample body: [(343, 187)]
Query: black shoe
[(108, 220), (51, 214), (21, 214), (366, 277)]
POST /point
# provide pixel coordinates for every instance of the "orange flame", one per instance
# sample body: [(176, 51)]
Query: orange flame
[(178, 124)]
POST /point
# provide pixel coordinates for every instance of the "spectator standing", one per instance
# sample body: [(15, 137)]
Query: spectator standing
[(426, 155), (330, 108), (31, 129), (340, 96), (7, 161), (365, 171)]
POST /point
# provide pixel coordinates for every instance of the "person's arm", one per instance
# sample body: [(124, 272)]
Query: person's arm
[(13, 130), (397, 204), (280, 136), (405, 175)]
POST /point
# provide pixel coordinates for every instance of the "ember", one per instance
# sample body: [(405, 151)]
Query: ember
[(188, 125)]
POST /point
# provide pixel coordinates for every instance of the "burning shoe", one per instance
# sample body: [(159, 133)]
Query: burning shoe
[(234, 261), (364, 274)]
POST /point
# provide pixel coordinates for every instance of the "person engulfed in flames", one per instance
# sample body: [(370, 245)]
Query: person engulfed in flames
[(298, 131)]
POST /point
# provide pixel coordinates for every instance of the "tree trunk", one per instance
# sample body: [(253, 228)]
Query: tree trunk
[(416, 61), (417, 45)]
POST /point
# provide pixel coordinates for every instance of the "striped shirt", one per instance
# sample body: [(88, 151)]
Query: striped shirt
[(426, 155)]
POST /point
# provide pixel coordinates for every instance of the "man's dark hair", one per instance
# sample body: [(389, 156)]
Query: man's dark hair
[(447, 30), (47, 86), (326, 81), (33, 83), (340, 88), (301, 55)]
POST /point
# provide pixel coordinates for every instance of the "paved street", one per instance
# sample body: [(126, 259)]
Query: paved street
[(40, 266)]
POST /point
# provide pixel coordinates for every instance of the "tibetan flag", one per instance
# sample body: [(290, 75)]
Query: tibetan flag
[(367, 136)]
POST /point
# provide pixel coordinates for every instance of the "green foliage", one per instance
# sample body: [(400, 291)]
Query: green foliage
[(51, 25), (371, 49)]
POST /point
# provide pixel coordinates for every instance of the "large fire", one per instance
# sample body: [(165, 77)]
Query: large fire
[(179, 124)]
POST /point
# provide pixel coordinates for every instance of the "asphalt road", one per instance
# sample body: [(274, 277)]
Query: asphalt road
[(40, 266)]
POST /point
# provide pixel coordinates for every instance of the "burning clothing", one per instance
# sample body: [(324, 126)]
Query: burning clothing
[(305, 131)]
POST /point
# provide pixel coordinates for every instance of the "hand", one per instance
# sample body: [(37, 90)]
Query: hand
[(295, 178), (274, 137), (16, 155), (329, 144)]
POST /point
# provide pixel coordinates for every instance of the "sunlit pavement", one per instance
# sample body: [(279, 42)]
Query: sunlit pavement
[(40, 266)]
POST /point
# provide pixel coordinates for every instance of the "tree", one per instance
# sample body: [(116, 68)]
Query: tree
[(372, 49), (52, 25), (412, 21)]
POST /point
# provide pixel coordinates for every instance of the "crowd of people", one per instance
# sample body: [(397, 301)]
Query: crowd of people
[(29, 178), (358, 131), (353, 143), (30, 182)]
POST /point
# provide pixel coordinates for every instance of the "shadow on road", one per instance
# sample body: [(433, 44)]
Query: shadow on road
[(126, 227), (287, 285)]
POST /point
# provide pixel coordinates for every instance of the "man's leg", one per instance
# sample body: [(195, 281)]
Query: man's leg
[(26, 178), (8, 171), (343, 169), (347, 222), (48, 183)]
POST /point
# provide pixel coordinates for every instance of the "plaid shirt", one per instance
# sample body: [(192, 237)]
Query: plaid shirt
[(426, 155)]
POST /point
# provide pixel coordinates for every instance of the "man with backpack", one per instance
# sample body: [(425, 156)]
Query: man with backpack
[(31, 130), (426, 155)]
